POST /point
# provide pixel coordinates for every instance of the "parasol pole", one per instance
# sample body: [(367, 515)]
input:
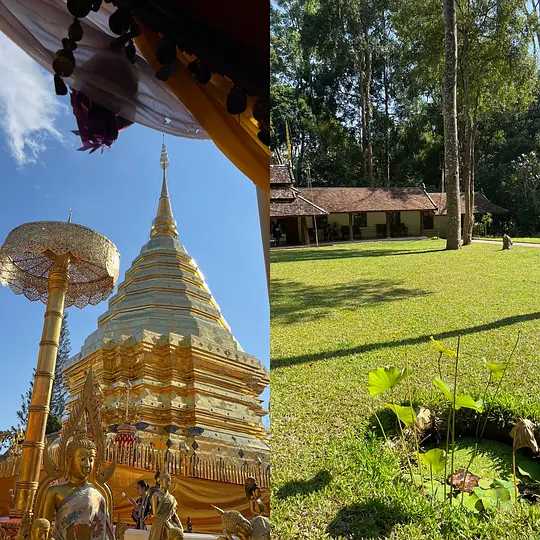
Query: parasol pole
[(38, 411)]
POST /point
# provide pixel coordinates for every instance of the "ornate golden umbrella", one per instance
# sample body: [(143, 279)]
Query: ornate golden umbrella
[(61, 264)]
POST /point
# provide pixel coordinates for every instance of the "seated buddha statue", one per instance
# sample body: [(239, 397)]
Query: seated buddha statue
[(76, 507)]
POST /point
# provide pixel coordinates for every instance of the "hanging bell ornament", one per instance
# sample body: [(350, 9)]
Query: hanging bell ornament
[(69, 44), (64, 63), (75, 31), (60, 86), (120, 21), (236, 101), (79, 8)]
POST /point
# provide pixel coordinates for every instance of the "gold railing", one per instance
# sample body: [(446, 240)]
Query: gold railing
[(145, 456)]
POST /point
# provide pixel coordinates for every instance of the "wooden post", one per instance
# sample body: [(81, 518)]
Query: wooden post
[(351, 227)]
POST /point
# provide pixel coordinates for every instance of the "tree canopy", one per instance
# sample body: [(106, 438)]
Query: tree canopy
[(357, 94)]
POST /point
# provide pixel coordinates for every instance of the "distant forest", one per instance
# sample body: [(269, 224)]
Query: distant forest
[(357, 95)]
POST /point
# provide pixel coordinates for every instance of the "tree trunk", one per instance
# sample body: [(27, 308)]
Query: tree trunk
[(366, 101), (387, 126), (468, 220), (451, 146)]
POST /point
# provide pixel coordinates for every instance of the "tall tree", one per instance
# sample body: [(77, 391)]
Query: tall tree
[(22, 413), (451, 146)]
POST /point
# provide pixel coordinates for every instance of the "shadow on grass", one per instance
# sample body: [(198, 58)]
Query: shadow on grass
[(296, 302), (368, 347), (373, 519), (304, 487), (298, 255)]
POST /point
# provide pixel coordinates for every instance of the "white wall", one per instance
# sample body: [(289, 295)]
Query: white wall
[(339, 219), (411, 219), (376, 218)]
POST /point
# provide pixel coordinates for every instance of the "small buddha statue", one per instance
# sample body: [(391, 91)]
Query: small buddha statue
[(166, 524), (76, 507), (40, 529)]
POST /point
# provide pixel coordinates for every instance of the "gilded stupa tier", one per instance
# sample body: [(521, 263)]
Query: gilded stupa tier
[(190, 383)]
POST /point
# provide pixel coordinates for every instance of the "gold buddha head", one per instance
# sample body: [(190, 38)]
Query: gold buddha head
[(165, 480), (80, 457), (40, 529)]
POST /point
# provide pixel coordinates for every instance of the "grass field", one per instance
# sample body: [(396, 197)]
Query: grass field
[(338, 312), (525, 239)]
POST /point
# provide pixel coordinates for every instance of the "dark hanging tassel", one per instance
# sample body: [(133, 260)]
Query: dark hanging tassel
[(165, 72), (261, 110), (75, 31), (236, 101), (166, 51), (96, 5), (60, 86), (131, 52), (200, 71), (264, 137), (79, 8)]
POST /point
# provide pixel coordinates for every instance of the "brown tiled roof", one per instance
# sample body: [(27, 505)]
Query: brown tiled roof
[(280, 174), (367, 199), (482, 204), (301, 206), (282, 194)]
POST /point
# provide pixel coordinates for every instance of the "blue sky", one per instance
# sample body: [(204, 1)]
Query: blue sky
[(42, 176)]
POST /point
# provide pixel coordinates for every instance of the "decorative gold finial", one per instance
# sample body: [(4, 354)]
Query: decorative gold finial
[(164, 223), (164, 159)]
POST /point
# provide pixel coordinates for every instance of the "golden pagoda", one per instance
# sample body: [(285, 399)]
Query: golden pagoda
[(179, 393)]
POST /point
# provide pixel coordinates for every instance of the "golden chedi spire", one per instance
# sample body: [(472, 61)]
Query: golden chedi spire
[(164, 223)]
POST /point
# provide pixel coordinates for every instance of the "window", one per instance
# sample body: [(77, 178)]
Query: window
[(360, 220), (427, 218)]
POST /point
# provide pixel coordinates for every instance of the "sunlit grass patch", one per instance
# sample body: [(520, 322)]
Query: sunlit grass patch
[(339, 312)]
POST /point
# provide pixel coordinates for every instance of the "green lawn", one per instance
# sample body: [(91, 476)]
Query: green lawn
[(338, 312), (526, 239)]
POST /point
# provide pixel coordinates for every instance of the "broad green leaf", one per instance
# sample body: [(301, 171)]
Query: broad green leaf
[(496, 369), (472, 502), (485, 483), (444, 388), (406, 415), (442, 348), (465, 401), (433, 459), (488, 497), (381, 380), (505, 490)]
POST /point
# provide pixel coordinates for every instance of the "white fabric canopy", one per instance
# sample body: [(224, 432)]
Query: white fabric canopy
[(105, 76)]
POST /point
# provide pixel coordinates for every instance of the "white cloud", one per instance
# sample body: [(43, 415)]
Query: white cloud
[(28, 105)]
